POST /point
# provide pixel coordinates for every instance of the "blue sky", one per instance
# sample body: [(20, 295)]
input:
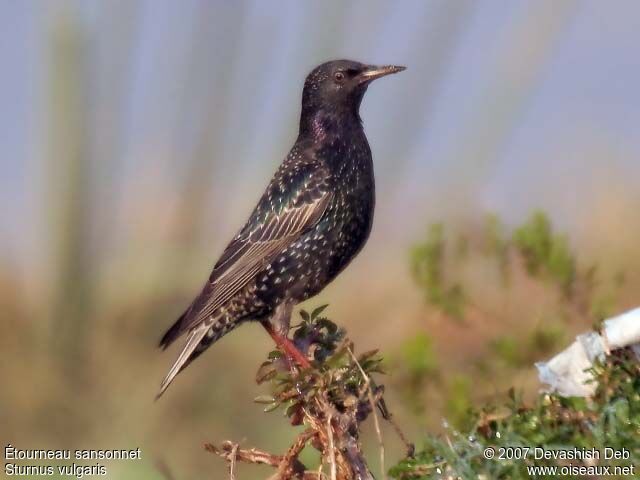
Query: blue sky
[(518, 104)]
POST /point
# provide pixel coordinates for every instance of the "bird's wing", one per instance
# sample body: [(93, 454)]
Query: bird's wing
[(278, 220)]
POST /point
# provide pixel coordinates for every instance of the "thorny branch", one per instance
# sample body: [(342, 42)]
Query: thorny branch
[(332, 399)]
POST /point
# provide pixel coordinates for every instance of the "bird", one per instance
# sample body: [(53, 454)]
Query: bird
[(314, 217)]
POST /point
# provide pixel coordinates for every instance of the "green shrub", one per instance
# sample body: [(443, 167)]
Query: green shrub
[(428, 265), (609, 420), (544, 252)]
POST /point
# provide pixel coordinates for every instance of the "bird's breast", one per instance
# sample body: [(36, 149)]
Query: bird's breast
[(323, 251)]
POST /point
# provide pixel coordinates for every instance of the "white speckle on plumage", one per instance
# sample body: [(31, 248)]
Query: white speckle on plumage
[(331, 159)]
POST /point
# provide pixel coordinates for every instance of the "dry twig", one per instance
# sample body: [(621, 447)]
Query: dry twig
[(332, 451), (232, 462), (288, 466), (372, 402)]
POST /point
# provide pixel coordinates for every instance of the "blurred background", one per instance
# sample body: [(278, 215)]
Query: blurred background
[(136, 136)]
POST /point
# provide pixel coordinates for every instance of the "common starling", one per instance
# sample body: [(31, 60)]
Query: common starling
[(311, 221)]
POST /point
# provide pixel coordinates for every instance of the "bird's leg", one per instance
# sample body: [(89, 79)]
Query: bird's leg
[(286, 346), (278, 327), (281, 318)]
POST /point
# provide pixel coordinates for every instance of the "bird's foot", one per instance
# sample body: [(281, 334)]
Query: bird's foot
[(287, 347)]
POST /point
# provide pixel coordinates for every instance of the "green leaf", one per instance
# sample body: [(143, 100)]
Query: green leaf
[(274, 354), (367, 355), (266, 371), (271, 407), (331, 327), (318, 311), (266, 399)]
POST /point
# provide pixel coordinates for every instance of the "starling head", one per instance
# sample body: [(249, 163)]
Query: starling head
[(338, 86)]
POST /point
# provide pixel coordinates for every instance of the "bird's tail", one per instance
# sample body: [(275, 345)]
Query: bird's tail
[(195, 338), (199, 339)]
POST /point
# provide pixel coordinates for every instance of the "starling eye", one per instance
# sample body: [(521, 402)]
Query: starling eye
[(338, 76)]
